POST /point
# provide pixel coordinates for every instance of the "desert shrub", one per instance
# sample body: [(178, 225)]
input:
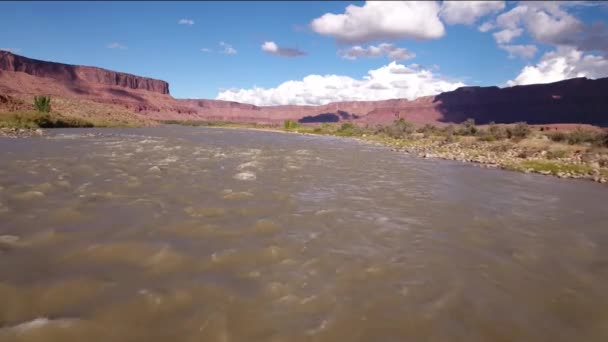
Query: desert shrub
[(348, 129), (428, 130), (603, 139), (521, 130), (42, 103), (558, 136), (400, 129), (448, 132), (556, 154), (492, 133), (525, 154), (467, 128), (290, 124), (580, 136)]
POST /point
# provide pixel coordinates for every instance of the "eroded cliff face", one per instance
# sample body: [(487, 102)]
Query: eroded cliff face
[(578, 100), (75, 73)]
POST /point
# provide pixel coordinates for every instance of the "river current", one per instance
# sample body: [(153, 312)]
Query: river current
[(207, 234)]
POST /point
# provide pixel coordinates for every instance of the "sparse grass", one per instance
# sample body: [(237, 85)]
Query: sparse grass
[(40, 120), (552, 167), (581, 136), (348, 130)]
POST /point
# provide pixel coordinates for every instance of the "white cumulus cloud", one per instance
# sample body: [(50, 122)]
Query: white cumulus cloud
[(116, 45), (523, 51), (385, 20), (273, 49), (387, 82), (385, 49), (227, 49), (550, 23), (563, 63), (188, 22), (467, 12)]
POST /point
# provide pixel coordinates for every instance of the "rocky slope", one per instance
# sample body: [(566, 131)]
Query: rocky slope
[(577, 100)]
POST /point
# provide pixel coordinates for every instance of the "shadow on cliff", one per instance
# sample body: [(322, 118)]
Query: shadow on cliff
[(328, 117), (578, 100)]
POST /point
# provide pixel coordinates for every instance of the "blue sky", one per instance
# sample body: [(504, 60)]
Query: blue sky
[(145, 38)]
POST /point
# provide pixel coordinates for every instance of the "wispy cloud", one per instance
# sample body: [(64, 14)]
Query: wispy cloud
[(205, 50), (13, 50), (389, 50), (116, 45), (188, 22), (273, 49), (523, 51), (227, 49)]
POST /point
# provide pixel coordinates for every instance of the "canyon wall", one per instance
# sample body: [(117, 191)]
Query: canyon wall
[(577, 100), (74, 73)]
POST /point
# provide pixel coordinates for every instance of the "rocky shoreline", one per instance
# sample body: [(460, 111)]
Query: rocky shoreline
[(587, 166), (21, 132)]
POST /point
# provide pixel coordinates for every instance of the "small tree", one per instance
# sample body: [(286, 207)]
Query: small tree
[(42, 103)]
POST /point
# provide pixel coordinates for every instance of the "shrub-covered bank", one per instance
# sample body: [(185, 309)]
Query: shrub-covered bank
[(579, 153)]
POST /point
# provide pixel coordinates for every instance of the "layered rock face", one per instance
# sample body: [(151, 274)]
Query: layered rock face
[(578, 100), (74, 73)]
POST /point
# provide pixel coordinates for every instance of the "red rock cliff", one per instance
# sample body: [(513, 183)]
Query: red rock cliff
[(75, 73)]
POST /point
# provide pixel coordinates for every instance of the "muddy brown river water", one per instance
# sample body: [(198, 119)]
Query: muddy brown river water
[(198, 234)]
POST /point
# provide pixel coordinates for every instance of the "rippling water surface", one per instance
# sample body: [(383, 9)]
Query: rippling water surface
[(195, 234)]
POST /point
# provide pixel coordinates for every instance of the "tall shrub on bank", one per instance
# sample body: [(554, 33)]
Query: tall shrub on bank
[(400, 129), (290, 124), (42, 103), (468, 128)]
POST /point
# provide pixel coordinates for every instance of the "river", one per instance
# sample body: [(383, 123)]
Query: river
[(208, 234)]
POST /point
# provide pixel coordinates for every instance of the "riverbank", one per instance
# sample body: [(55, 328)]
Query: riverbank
[(580, 153)]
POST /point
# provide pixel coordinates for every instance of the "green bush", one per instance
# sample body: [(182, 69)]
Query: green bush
[(42, 103), (290, 124), (41, 120), (521, 130), (399, 129), (348, 129)]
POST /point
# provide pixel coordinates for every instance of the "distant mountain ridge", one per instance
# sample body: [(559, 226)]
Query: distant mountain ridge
[(578, 100)]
